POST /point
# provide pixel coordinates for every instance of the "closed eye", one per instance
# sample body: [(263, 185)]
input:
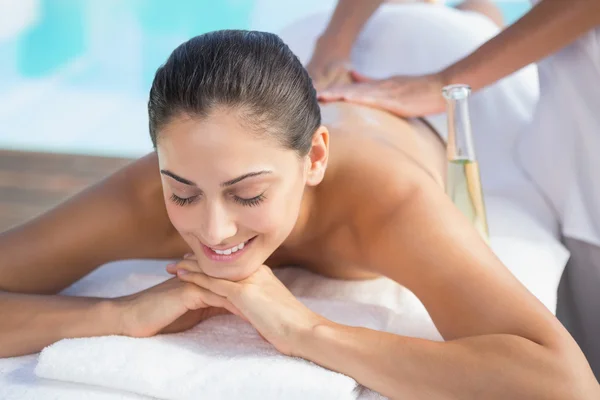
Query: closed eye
[(181, 201), (252, 202)]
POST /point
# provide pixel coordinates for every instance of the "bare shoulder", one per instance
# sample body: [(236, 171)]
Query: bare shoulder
[(384, 177), (372, 187)]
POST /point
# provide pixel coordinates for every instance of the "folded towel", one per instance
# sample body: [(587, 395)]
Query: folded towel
[(224, 357), (221, 358)]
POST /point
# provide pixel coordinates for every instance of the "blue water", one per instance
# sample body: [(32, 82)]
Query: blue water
[(75, 73), (121, 34)]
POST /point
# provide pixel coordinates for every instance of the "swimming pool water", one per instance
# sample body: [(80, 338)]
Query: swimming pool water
[(74, 74)]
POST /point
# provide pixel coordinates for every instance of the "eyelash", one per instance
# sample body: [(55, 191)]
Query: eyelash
[(250, 202), (255, 201), (180, 201)]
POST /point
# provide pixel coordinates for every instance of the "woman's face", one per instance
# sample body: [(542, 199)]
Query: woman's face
[(234, 196)]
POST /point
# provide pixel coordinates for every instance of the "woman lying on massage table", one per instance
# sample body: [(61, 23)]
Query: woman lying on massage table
[(254, 174)]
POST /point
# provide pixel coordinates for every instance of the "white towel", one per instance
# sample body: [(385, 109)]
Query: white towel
[(221, 358), (224, 357)]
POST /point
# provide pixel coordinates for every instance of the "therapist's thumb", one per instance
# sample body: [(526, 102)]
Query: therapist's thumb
[(359, 78)]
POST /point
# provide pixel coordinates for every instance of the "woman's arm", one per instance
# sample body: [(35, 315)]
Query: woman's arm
[(31, 322), (501, 343), (547, 28), (121, 217), (480, 367)]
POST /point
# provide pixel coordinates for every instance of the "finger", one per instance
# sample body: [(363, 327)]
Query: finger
[(363, 99), (327, 96), (221, 287), (382, 103), (189, 264), (196, 297), (399, 109), (351, 89), (199, 297), (172, 268), (358, 77), (369, 94), (335, 93)]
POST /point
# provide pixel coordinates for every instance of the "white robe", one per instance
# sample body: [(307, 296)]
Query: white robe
[(561, 150)]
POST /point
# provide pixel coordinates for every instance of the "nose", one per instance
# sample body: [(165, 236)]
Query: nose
[(218, 225)]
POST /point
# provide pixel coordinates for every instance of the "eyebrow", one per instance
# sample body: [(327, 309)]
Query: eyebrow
[(242, 177), (224, 184), (177, 178)]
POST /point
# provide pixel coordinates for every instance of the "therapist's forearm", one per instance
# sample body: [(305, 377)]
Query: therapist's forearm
[(547, 28), (348, 20), (482, 367)]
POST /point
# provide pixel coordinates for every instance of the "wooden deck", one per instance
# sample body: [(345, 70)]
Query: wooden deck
[(31, 183)]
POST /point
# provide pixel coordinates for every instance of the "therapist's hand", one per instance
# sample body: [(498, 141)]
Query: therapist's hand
[(329, 65), (263, 301), (404, 96)]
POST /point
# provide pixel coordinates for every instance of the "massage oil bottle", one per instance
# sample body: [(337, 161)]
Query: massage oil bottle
[(463, 182)]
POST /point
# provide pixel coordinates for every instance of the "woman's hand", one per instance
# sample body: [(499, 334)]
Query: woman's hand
[(329, 65), (171, 306), (403, 96), (263, 301)]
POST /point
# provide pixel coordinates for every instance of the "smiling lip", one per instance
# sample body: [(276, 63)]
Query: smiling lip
[(226, 257)]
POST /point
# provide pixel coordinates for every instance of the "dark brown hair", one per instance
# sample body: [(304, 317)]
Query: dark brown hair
[(252, 72)]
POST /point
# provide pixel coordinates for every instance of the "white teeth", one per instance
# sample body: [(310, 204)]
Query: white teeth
[(231, 250)]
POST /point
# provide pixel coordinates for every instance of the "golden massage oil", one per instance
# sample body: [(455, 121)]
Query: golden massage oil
[(464, 188)]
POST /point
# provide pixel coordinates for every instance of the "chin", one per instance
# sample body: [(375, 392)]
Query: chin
[(233, 274)]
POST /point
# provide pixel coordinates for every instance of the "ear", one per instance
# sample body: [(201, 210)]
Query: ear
[(318, 156)]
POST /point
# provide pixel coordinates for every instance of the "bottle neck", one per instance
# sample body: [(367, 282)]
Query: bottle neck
[(460, 140)]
